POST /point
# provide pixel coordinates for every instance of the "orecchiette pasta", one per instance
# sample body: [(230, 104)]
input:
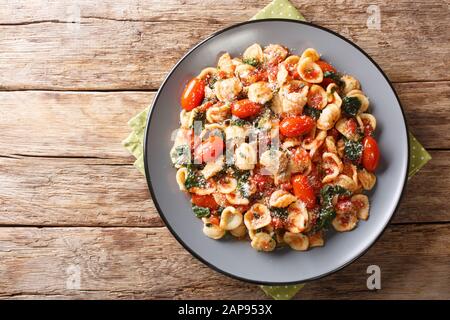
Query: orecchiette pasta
[(276, 148), (230, 218), (263, 242), (296, 241), (281, 199), (227, 89), (260, 92)]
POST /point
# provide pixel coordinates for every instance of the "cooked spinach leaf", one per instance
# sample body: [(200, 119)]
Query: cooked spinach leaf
[(243, 185), (194, 178), (351, 105), (252, 61), (327, 213), (281, 213), (201, 212), (353, 150), (333, 76), (311, 112), (238, 122)]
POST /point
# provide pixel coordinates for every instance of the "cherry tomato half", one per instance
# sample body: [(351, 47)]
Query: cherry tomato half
[(295, 126), (193, 94), (209, 149), (303, 190), (325, 66), (371, 154), (206, 201), (245, 108)]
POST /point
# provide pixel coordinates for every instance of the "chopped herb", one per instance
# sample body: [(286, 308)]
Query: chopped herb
[(311, 112), (252, 61), (327, 213), (333, 76), (351, 105), (353, 150), (201, 212), (281, 213), (181, 155), (243, 185), (194, 178), (238, 122), (263, 119)]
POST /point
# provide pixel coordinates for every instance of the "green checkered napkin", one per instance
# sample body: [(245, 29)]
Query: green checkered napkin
[(276, 9)]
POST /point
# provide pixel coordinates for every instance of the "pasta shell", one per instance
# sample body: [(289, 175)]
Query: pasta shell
[(246, 74), (281, 199), (294, 96), (258, 216), (345, 222), (225, 64), (362, 99), (333, 165), (260, 92), (230, 218), (333, 96), (217, 113), (226, 185), (350, 83), (296, 241), (275, 53), (213, 167), (236, 198), (346, 182), (317, 96), (366, 118), (330, 145), (277, 104), (316, 239), (298, 217), (361, 202), (181, 178), (343, 127), (207, 73), (227, 89), (292, 60), (245, 157), (310, 71), (291, 142), (263, 242), (254, 52), (367, 179), (310, 53), (328, 117), (211, 230), (282, 74), (239, 232)]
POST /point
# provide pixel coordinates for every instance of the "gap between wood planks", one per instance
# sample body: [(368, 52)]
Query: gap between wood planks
[(152, 90)]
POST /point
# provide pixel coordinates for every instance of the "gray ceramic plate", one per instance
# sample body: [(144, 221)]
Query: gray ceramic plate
[(237, 258)]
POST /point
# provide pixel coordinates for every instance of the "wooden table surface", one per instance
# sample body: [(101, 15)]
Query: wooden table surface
[(76, 219)]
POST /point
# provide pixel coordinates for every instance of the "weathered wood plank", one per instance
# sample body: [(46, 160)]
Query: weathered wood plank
[(131, 45), (128, 263), (92, 124), (96, 192)]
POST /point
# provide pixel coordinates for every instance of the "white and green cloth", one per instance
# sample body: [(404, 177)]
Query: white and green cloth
[(418, 156)]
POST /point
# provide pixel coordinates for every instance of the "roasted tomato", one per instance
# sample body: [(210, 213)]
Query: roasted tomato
[(209, 149), (206, 201), (295, 126), (303, 190), (193, 94), (245, 108), (371, 153), (325, 66)]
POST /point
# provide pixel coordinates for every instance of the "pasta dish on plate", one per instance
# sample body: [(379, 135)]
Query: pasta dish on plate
[(275, 148)]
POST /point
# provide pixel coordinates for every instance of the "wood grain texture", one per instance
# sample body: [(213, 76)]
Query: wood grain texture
[(130, 262), (132, 44), (98, 192), (93, 124)]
